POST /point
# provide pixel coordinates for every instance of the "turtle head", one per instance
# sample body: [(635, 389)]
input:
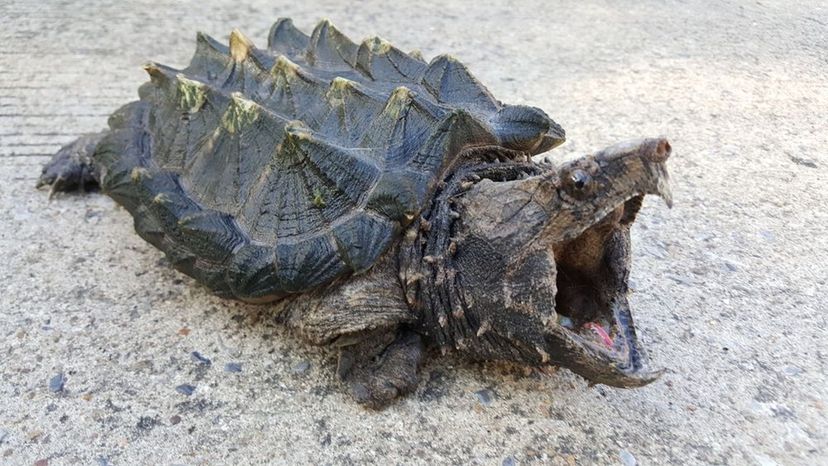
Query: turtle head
[(544, 263)]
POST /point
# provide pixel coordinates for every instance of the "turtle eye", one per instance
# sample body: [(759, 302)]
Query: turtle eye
[(579, 179)]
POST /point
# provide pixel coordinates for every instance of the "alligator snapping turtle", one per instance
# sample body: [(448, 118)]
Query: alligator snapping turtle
[(381, 204)]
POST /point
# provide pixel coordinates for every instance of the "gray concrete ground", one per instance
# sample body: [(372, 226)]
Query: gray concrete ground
[(730, 285)]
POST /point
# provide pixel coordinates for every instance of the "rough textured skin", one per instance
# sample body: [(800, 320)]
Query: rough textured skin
[(383, 203), (492, 278)]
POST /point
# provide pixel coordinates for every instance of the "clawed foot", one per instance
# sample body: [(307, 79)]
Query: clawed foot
[(71, 167), (382, 368)]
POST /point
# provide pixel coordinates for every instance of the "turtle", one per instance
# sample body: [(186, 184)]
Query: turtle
[(383, 205)]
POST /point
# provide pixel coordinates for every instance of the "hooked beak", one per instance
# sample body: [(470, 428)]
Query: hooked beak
[(651, 154), (658, 151)]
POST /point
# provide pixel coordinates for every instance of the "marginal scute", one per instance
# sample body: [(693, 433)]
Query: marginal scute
[(148, 227), (119, 154), (362, 238), (265, 172), (399, 194), (313, 260), (211, 235), (252, 273), (168, 207)]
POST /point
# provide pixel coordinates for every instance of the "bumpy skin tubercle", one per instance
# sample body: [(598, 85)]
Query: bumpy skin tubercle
[(532, 246), (381, 205)]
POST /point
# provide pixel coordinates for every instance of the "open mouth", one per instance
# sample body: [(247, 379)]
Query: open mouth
[(593, 312), (611, 341)]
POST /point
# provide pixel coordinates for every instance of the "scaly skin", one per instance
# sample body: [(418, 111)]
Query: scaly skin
[(510, 261), (502, 261), (502, 253)]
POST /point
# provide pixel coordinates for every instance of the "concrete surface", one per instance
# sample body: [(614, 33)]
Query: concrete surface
[(730, 286)]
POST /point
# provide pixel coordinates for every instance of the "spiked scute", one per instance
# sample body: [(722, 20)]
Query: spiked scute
[(264, 172)]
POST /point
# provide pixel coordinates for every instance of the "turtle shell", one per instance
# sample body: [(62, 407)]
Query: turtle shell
[(265, 172)]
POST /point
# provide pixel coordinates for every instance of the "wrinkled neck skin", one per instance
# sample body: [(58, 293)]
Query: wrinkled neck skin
[(454, 281), (529, 262), (487, 271)]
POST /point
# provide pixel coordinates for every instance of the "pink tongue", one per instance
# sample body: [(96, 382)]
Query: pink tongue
[(602, 334)]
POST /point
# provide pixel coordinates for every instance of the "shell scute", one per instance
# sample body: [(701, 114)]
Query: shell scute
[(312, 260), (284, 37), (380, 60), (265, 172)]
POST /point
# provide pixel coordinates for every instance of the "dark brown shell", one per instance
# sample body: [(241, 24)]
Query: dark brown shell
[(264, 172)]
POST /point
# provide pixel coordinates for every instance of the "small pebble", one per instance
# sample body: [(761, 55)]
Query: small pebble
[(731, 266), (232, 367), (146, 423), (485, 396), (627, 458), (792, 371), (43, 462), (565, 321), (198, 358), (509, 461), (762, 459), (175, 419), (57, 382), (185, 389), (301, 367)]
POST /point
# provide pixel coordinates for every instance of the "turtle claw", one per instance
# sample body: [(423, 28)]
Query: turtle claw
[(378, 379)]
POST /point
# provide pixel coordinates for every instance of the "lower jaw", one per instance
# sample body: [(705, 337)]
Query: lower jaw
[(611, 353)]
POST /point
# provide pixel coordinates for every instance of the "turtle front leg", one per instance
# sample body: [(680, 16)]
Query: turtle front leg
[(365, 318), (381, 367), (71, 167)]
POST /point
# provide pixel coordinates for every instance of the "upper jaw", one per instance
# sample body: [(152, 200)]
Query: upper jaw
[(619, 173), (645, 157)]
